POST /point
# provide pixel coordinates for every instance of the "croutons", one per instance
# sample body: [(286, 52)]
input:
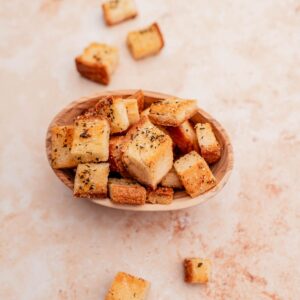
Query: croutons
[(128, 287), (162, 195), (114, 109), (145, 42), (91, 180), (61, 140), (148, 154), (171, 180), (210, 148), (98, 62), (184, 137), (140, 98), (197, 270), (132, 110), (172, 111), (125, 191), (91, 139), (194, 174), (117, 11)]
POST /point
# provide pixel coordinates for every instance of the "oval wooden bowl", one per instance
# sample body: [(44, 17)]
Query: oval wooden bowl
[(221, 169)]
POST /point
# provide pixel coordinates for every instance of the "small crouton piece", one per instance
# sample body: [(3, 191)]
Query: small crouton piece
[(132, 110), (91, 139), (197, 270), (172, 111), (98, 62), (140, 98), (117, 11), (148, 153), (145, 42), (171, 180), (184, 137), (125, 191), (210, 148), (194, 174), (61, 142), (114, 110), (91, 180), (162, 195), (128, 287)]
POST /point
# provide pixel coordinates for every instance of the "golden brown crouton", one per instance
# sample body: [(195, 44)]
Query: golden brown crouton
[(145, 42), (132, 110), (172, 111), (197, 270), (117, 11), (98, 62), (210, 148), (91, 180), (128, 287), (172, 180), (194, 174), (162, 195), (140, 98), (91, 139), (61, 142)]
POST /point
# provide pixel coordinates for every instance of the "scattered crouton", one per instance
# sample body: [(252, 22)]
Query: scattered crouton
[(194, 174), (210, 148), (171, 180), (132, 110), (197, 270), (162, 195), (145, 42), (98, 62), (140, 98), (91, 180)]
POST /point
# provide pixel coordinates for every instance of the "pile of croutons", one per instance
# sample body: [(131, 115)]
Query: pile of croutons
[(137, 155)]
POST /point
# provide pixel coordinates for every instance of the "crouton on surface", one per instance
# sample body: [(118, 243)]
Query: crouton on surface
[(132, 110), (140, 98), (197, 270), (194, 174), (91, 139), (148, 153), (171, 180), (210, 148), (61, 142), (172, 111), (117, 11), (162, 195), (91, 180), (145, 42), (98, 62)]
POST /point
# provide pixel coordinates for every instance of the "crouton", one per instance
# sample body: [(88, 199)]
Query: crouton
[(132, 110), (145, 112), (125, 191), (172, 111), (140, 98), (91, 139), (194, 174), (61, 142), (128, 287), (117, 11), (114, 110), (147, 154), (197, 270), (162, 195), (98, 62), (210, 148), (91, 180), (171, 180), (184, 137), (145, 42)]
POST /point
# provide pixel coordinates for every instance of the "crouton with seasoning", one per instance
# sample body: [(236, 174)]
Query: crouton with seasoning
[(162, 195), (171, 180), (132, 110), (140, 98)]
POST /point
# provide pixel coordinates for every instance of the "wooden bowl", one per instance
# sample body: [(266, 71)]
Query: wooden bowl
[(221, 169)]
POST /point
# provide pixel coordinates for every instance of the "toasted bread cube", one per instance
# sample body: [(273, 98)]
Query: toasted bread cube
[(114, 110), (98, 62), (91, 139), (172, 111), (184, 137), (162, 195), (125, 191), (197, 270), (117, 11), (171, 180), (91, 180), (61, 142), (145, 42), (210, 148), (194, 174), (132, 110), (128, 287), (140, 98), (147, 154)]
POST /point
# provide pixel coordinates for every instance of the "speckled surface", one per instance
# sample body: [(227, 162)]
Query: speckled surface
[(241, 60)]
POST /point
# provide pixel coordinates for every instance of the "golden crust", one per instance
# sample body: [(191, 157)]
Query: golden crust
[(139, 96), (171, 180), (197, 270), (162, 195), (132, 110)]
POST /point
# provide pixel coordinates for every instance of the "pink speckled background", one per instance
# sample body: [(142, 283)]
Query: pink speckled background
[(241, 60)]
